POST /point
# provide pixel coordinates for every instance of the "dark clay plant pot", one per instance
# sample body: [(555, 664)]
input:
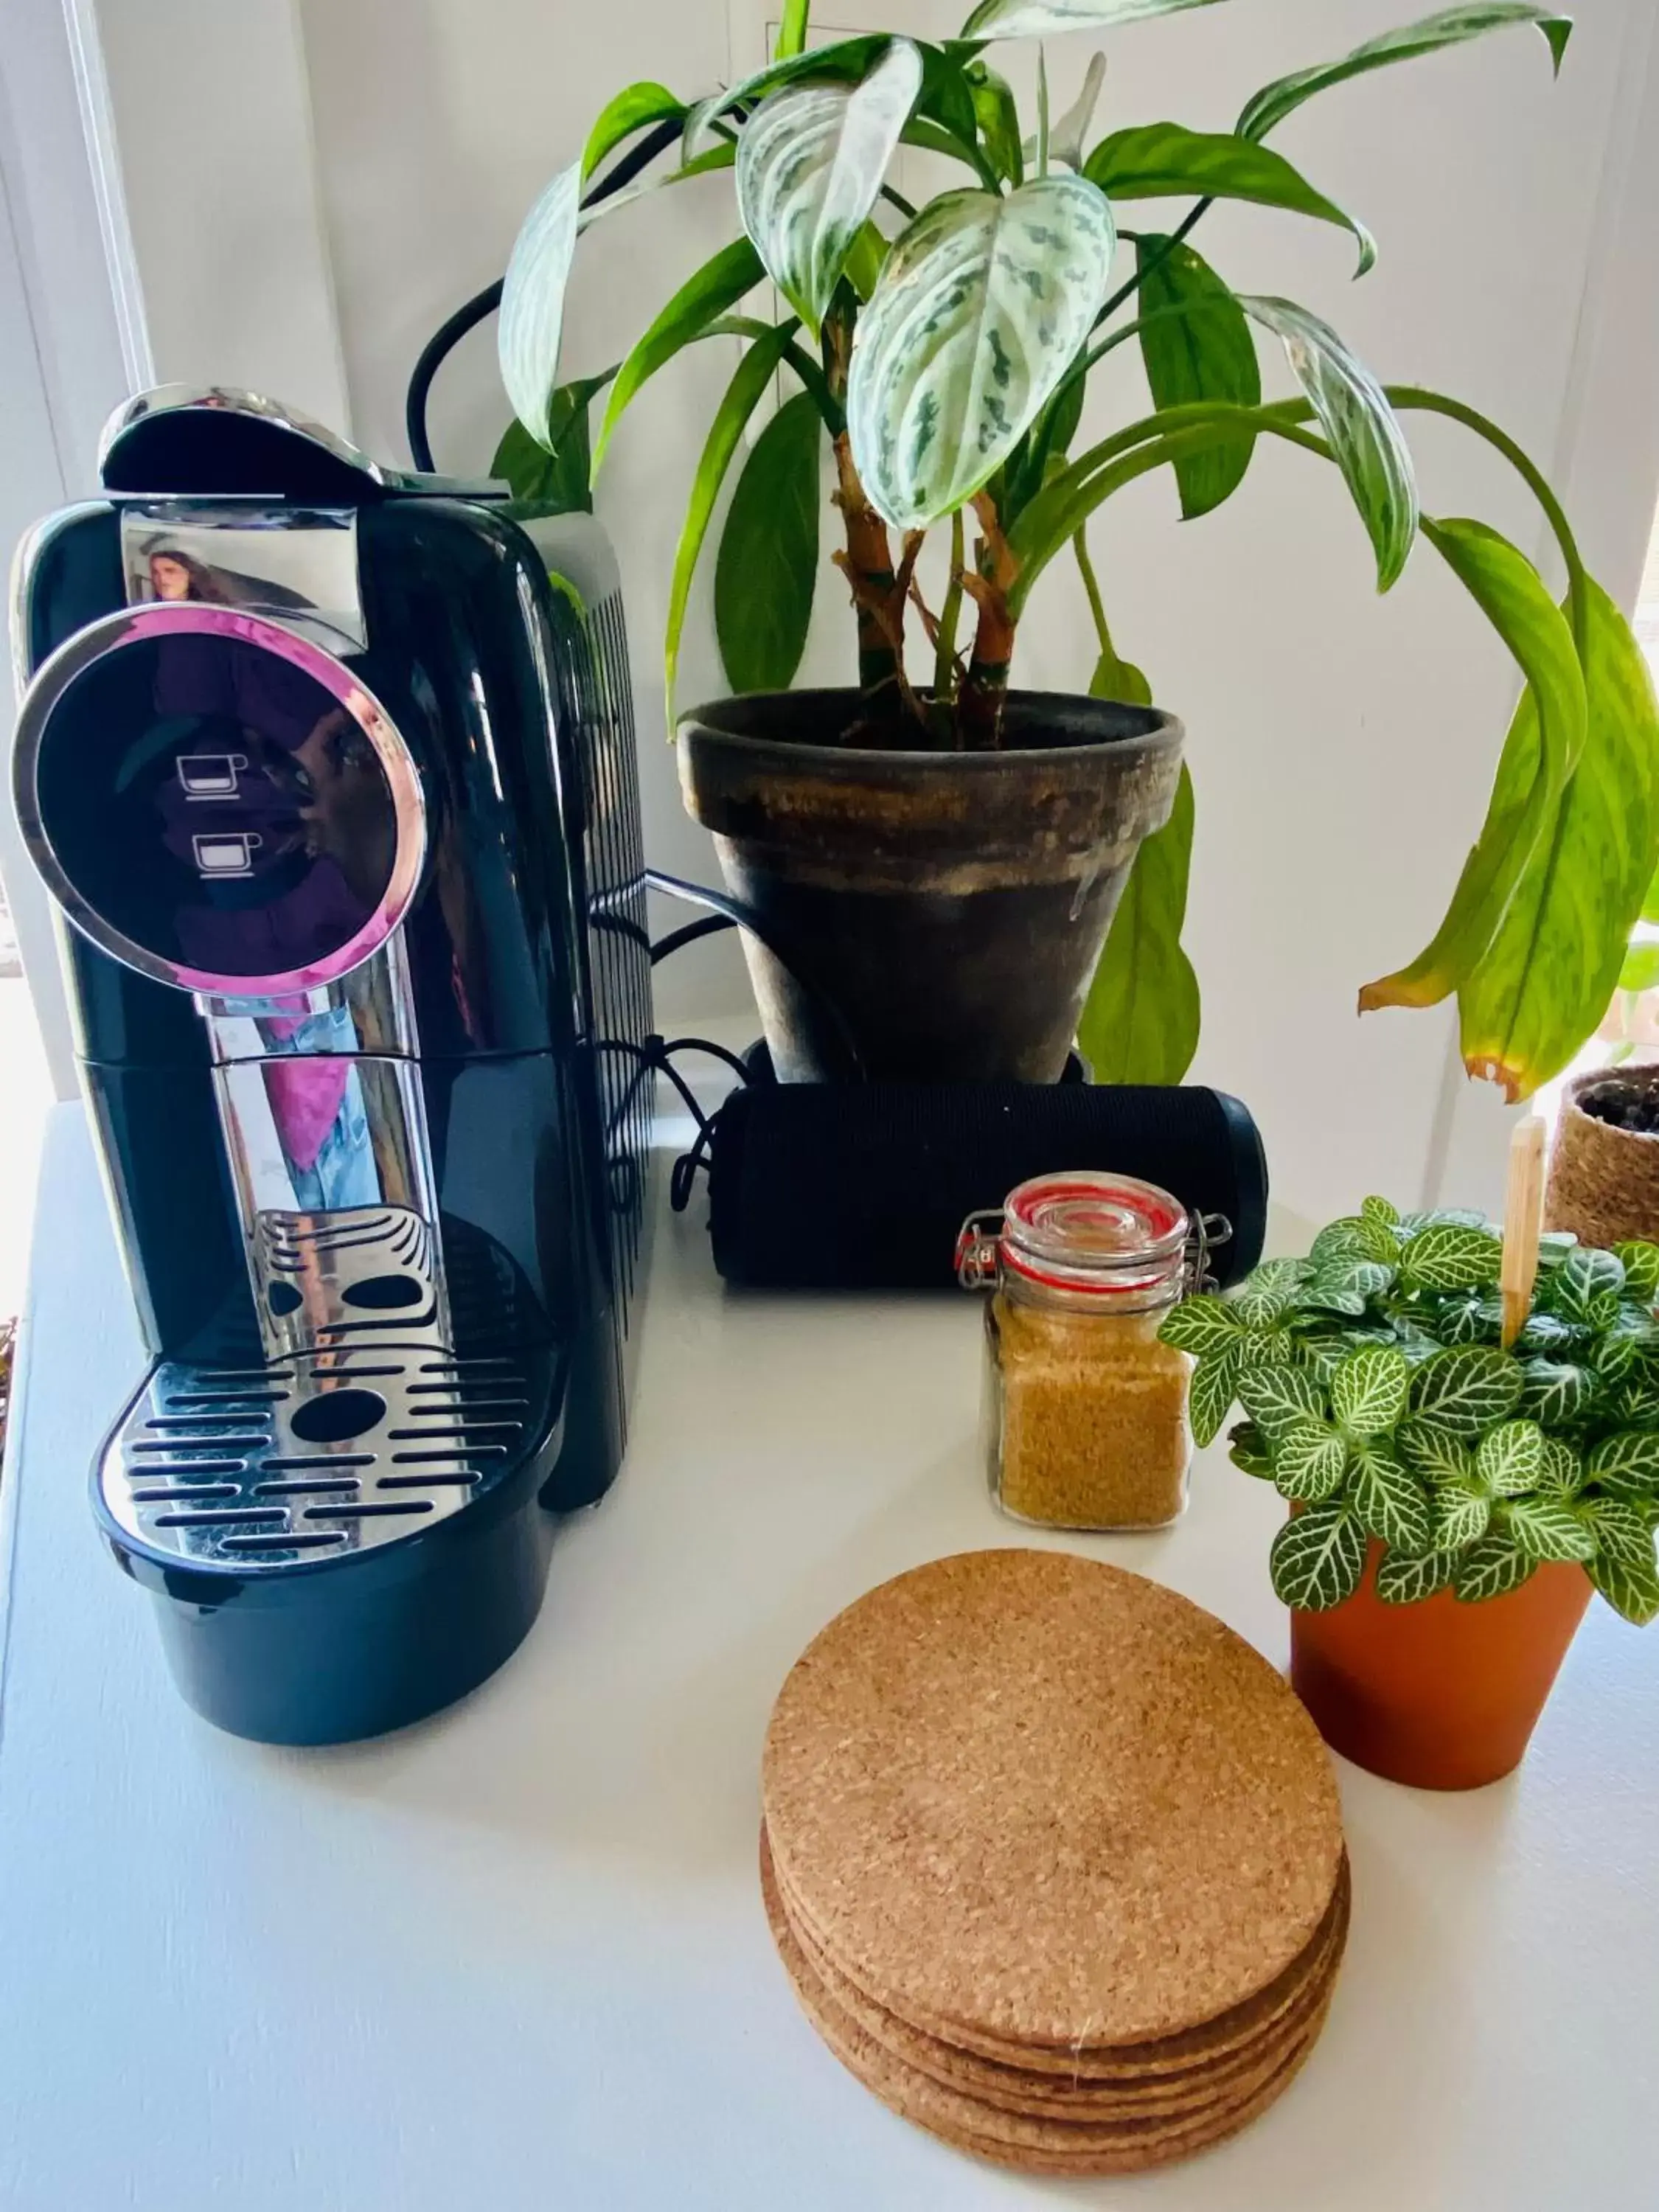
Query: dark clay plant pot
[(920, 916), (1439, 1694)]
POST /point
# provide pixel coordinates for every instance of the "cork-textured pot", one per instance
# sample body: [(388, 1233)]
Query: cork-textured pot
[(1440, 1695), (1603, 1183), (925, 915)]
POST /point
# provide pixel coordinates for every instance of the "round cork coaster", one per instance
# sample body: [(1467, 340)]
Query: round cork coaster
[(1029, 1796), (1030, 2144), (1015, 2088), (1162, 2062)]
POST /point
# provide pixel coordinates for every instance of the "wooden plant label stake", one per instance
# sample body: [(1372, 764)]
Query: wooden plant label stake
[(1523, 1209)]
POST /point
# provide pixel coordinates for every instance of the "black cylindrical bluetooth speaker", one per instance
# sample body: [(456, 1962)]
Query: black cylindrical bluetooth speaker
[(866, 1185)]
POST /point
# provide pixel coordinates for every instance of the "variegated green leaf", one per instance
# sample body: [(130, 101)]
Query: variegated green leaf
[(1402, 1580), (1620, 1532), (1460, 1514), (1321, 1356), (1211, 1393), (1368, 1390), (1472, 1320), (1443, 1217), (1434, 1452), (1626, 1465), (1451, 1260), (531, 317), (979, 312), (811, 161), (1449, 27), (1630, 1586), (1309, 1461), (1317, 1559), (1345, 1287), (1547, 1529), (1563, 1471), (1510, 1458), (843, 59), (1070, 129), (1391, 1503), (1631, 1334), (1279, 1398), (1637, 1400), (1553, 1393), (1553, 1247), (1490, 1569), (1200, 1325), (1269, 1292), (1266, 1347), (1548, 1333), (1641, 1264), (1046, 19), (1359, 1235), (1466, 1391), (1246, 1448), (1365, 437), (1382, 1211), (1587, 1287)]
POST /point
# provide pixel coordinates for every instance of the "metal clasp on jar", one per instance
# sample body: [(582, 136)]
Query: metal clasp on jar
[(1208, 1229), (979, 1250)]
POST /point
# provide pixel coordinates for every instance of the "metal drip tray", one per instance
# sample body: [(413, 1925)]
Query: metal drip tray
[(258, 1469)]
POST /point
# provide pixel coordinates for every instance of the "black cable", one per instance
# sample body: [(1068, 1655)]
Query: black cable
[(738, 1068), (449, 334), (688, 934)]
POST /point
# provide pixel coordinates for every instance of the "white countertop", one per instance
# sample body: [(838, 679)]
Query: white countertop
[(514, 1960)]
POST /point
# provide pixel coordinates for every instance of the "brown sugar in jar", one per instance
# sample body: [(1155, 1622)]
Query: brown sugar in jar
[(1085, 1412)]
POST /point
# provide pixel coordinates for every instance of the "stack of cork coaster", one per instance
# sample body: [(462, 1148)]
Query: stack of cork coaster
[(1053, 1860)]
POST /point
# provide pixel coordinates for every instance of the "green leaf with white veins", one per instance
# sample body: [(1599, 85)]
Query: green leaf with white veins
[(1491, 1568), (1466, 1391), (1641, 1264), (1555, 1392), (1620, 1532), (811, 161), (1308, 1462), (1402, 1580), (980, 311), (1391, 1503), (1210, 1393), (1626, 1466), (1547, 1528), (1450, 1260), (1460, 1514), (1164, 160), (1200, 1325), (1344, 1287), (1631, 1587), (1587, 1287), (1367, 442), (1510, 1458), (1368, 1390), (1563, 1473), (1278, 1399), (1268, 1292), (1433, 1452), (1451, 26), (1046, 19), (1317, 1559)]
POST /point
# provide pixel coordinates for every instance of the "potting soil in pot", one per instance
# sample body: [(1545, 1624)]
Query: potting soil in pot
[(1053, 1862)]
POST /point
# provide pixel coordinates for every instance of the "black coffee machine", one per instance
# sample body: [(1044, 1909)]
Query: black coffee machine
[(331, 770)]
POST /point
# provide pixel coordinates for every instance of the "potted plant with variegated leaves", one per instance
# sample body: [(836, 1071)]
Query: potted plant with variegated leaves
[(930, 863), (1453, 1504)]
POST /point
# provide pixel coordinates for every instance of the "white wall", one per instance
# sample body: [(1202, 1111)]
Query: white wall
[(1342, 747)]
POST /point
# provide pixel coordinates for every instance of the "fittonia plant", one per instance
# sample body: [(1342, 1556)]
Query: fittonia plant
[(1379, 1400), (943, 353)]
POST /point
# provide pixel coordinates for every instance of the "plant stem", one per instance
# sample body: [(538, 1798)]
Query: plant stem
[(1042, 110), (868, 562), (985, 687), (1091, 586), (944, 660), (1437, 403), (1189, 223)]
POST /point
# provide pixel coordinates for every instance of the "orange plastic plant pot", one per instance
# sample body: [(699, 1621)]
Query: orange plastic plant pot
[(1440, 1695)]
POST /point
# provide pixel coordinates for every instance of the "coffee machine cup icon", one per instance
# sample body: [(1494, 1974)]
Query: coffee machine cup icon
[(210, 775), (221, 857)]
